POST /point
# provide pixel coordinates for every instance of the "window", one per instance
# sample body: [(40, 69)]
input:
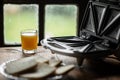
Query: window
[(49, 17), (60, 20), (17, 18)]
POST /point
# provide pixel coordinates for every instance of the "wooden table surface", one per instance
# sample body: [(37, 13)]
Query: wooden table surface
[(109, 69)]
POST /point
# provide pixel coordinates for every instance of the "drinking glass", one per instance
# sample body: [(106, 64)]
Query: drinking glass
[(29, 41)]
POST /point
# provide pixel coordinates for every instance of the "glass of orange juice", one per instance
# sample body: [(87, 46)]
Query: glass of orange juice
[(29, 42)]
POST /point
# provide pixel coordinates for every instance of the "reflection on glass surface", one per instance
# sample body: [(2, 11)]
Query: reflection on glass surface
[(60, 20), (18, 18)]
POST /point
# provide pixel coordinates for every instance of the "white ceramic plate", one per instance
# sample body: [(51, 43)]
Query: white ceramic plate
[(8, 76), (11, 77)]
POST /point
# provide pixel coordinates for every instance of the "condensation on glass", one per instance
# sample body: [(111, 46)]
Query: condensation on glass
[(17, 18), (60, 20)]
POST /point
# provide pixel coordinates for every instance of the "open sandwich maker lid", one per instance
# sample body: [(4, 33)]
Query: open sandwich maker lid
[(99, 32)]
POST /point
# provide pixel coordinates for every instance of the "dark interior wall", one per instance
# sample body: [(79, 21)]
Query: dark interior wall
[(1, 24)]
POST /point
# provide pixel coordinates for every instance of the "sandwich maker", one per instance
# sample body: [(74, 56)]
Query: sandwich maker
[(99, 33)]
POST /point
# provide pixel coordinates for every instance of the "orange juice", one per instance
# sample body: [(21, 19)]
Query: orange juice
[(29, 41)]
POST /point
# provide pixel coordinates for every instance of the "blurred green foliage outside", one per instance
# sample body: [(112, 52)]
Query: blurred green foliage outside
[(59, 21)]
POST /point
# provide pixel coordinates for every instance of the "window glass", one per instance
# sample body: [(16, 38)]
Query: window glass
[(60, 20), (17, 18)]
